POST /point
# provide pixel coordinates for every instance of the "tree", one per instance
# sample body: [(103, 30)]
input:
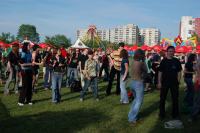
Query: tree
[(29, 31), (58, 40), (197, 37), (7, 37)]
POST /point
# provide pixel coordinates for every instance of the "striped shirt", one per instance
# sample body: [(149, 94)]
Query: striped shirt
[(115, 55)]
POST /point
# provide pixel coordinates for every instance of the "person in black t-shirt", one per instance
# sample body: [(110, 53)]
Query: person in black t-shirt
[(72, 68), (48, 69), (168, 78), (37, 62), (58, 70), (14, 68), (105, 65), (81, 60), (188, 78)]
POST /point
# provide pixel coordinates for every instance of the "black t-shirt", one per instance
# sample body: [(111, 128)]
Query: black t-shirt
[(55, 62), (170, 69), (82, 58), (105, 60), (47, 57), (73, 62), (189, 68), (14, 60)]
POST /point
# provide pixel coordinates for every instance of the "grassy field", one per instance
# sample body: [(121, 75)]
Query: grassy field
[(90, 116)]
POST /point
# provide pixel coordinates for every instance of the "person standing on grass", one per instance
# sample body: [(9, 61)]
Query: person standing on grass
[(196, 103), (148, 77), (104, 66), (169, 78), (115, 69), (58, 70), (36, 62), (27, 74), (124, 76), (72, 67), (188, 78), (91, 73), (13, 68), (138, 69), (48, 68), (81, 60)]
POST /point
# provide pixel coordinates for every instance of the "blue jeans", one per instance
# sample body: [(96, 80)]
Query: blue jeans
[(47, 77), (12, 75), (74, 75), (94, 86), (138, 91), (56, 86), (189, 92), (124, 95), (196, 105)]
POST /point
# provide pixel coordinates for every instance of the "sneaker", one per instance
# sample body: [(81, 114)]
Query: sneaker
[(20, 104), (81, 99), (46, 89), (97, 99), (30, 103), (16, 92), (133, 123), (6, 92), (123, 103)]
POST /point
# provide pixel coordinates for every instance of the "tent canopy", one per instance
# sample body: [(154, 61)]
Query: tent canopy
[(79, 44)]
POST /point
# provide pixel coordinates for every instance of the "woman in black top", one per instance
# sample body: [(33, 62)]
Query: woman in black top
[(36, 62), (188, 78), (72, 71), (58, 70)]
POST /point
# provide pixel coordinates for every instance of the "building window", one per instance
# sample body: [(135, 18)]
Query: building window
[(190, 22)]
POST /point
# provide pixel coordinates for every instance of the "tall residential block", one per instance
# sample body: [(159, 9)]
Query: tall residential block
[(150, 36), (186, 27)]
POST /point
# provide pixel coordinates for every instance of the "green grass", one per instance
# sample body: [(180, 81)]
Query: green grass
[(89, 116)]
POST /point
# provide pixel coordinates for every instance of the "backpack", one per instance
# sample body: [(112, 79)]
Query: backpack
[(75, 86)]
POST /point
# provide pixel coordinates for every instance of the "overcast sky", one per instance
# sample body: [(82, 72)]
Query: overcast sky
[(66, 16)]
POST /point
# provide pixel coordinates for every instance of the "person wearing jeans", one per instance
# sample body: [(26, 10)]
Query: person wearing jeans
[(58, 70), (93, 82), (137, 86), (91, 72), (188, 78), (72, 67), (138, 91), (81, 60), (124, 76), (56, 86), (13, 67), (196, 103), (48, 69)]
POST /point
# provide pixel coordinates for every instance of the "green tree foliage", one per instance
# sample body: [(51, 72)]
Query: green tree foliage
[(196, 35), (58, 40), (7, 37), (26, 30), (104, 44), (139, 44)]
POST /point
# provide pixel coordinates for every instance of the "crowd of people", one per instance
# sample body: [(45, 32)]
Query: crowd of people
[(145, 71)]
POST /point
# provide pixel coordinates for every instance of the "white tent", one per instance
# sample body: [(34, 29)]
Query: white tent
[(79, 44)]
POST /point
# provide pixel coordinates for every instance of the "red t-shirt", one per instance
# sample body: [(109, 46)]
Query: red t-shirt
[(63, 52)]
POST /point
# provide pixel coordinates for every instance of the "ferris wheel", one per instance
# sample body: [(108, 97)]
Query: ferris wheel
[(92, 36)]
